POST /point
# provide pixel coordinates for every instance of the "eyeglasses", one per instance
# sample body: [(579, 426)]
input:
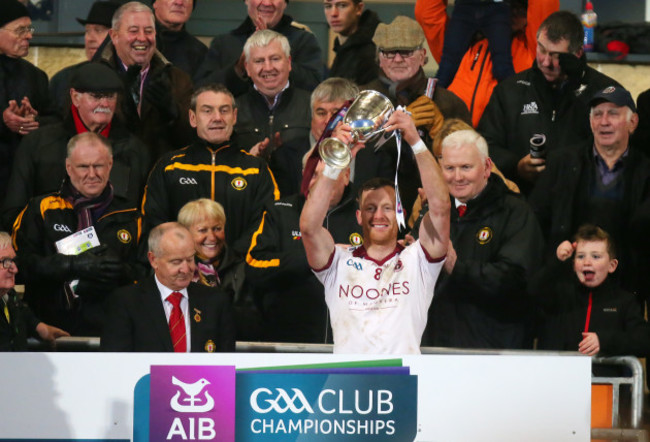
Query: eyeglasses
[(404, 53), (7, 262), (21, 31)]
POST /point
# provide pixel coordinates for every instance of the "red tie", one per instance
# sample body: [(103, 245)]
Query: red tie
[(177, 323), (461, 210)]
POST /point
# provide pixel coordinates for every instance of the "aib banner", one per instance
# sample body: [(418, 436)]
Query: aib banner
[(325, 403)]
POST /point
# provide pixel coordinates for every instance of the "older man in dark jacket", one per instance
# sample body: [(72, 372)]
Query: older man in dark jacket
[(68, 278), (224, 62), (158, 94), (602, 181), (496, 244), (23, 87), (39, 165), (403, 81), (275, 112)]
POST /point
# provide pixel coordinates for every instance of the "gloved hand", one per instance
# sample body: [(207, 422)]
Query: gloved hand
[(97, 264), (426, 115), (158, 92), (571, 65)]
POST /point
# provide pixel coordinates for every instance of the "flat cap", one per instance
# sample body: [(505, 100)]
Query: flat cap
[(95, 77), (12, 10), (402, 33), (613, 94), (101, 13)]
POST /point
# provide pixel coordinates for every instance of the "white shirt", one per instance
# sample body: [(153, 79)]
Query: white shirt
[(168, 306)]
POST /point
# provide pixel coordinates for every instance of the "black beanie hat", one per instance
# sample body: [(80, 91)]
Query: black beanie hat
[(12, 10)]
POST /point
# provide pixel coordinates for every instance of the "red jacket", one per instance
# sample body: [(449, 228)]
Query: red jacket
[(474, 81)]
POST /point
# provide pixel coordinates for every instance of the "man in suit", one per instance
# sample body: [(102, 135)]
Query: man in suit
[(145, 317)]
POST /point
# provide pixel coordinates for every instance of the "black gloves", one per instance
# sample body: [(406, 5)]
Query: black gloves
[(158, 92), (97, 264), (572, 66)]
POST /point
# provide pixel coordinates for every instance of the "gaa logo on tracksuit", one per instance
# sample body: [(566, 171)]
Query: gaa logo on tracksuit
[(62, 228), (239, 183)]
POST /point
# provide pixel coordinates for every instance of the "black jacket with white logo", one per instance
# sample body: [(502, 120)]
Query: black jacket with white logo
[(50, 218), (292, 298), (240, 182), (526, 104)]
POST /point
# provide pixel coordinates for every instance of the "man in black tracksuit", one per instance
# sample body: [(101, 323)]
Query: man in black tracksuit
[(85, 200), (214, 167), (292, 299), (551, 98), (480, 299)]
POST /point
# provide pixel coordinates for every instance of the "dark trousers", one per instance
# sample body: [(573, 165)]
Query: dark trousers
[(468, 17)]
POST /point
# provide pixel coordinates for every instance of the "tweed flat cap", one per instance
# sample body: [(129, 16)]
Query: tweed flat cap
[(402, 33)]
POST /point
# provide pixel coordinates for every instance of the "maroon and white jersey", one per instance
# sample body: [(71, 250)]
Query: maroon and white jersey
[(379, 307)]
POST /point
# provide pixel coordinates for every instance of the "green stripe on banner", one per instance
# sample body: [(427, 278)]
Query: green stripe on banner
[(374, 363)]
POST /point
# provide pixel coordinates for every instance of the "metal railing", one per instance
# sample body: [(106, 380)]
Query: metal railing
[(635, 382)]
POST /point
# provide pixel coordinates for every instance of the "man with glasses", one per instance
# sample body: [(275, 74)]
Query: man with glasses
[(23, 87), (355, 51), (402, 79), (17, 322), (39, 165)]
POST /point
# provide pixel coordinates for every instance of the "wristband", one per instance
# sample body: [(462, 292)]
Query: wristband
[(331, 172), (419, 147)]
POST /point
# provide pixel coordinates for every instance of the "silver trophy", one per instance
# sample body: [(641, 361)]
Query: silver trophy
[(366, 115)]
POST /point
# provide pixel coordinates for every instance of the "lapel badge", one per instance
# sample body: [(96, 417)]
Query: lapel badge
[(484, 235), (209, 346), (197, 315)]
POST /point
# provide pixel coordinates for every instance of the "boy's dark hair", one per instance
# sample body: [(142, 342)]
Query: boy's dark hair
[(564, 25), (590, 232), (374, 183)]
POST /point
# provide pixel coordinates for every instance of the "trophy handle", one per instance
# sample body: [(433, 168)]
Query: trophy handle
[(335, 153)]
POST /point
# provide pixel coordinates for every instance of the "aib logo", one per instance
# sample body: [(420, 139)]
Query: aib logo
[(191, 403), (196, 403)]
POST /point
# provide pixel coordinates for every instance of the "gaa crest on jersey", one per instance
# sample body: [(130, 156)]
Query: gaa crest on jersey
[(356, 239), (124, 236), (484, 235), (239, 183), (296, 235)]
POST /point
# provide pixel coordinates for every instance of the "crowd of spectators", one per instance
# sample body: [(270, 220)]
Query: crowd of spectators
[(169, 196)]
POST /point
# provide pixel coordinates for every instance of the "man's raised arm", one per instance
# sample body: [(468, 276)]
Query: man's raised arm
[(319, 244), (434, 230)]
